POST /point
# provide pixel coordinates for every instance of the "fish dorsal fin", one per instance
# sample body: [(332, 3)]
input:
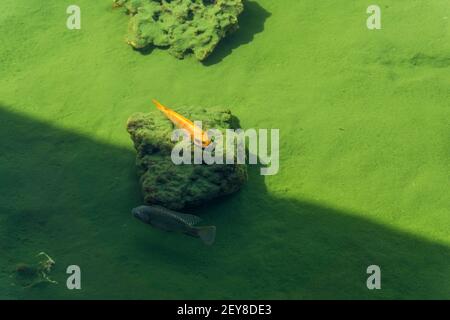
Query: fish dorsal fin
[(190, 219)]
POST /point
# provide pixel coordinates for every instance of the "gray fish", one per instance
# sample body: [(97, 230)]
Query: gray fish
[(168, 220)]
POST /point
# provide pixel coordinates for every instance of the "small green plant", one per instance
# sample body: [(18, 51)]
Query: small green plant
[(30, 275)]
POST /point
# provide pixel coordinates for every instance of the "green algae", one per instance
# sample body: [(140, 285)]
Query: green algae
[(184, 26), (188, 185), (363, 154)]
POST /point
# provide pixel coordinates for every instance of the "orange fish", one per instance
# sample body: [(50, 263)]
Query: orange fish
[(184, 123)]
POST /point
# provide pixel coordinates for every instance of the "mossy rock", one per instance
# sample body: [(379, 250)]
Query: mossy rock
[(183, 26), (186, 185)]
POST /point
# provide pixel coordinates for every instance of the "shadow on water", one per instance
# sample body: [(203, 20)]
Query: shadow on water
[(66, 194), (146, 50), (321, 252), (251, 22)]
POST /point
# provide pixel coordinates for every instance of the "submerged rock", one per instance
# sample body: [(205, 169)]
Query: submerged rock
[(186, 185), (184, 26)]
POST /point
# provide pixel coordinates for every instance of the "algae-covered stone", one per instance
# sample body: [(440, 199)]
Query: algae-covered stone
[(184, 26), (185, 185)]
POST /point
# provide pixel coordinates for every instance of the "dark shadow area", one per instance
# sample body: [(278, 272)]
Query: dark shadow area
[(60, 192), (146, 50), (251, 22), (68, 195), (320, 252)]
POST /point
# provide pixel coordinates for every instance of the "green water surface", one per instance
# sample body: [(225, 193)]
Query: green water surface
[(364, 153)]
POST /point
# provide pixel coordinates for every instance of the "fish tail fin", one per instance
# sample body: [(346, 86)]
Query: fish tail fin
[(207, 234)]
